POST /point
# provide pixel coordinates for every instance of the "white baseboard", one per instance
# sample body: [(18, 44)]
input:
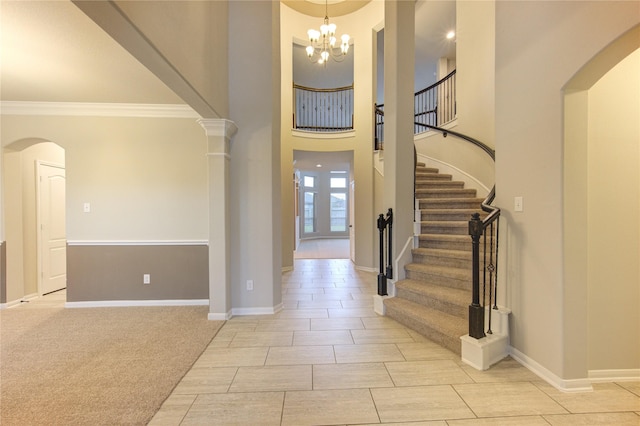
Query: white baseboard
[(573, 385), (257, 311), (365, 269), (608, 376), (18, 302), (130, 303), (219, 317), (378, 304)]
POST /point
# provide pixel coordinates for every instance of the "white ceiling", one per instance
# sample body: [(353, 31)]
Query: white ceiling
[(51, 51)]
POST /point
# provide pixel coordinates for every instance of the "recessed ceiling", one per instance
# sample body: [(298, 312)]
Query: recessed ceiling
[(318, 8)]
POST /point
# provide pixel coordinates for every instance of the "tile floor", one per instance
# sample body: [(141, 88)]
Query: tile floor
[(328, 359)]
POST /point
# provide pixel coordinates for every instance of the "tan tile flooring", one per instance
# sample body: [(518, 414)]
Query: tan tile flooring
[(328, 359)]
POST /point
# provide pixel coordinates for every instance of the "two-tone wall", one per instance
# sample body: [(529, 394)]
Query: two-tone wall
[(136, 203)]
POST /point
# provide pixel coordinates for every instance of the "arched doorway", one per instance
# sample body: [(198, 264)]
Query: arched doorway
[(602, 212), (34, 213)]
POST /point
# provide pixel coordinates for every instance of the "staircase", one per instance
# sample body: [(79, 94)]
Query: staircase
[(435, 296)]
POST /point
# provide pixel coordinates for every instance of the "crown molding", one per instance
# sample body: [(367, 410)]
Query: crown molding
[(97, 109)]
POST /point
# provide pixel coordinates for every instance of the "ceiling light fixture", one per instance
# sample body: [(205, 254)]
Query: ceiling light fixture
[(451, 34), (322, 44)]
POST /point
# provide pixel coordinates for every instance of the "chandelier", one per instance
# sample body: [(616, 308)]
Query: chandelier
[(322, 44)]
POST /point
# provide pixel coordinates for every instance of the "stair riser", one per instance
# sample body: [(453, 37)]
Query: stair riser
[(445, 193), (445, 228), (461, 311), (426, 215), (443, 203), (446, 245), (422, 327), (423, 169), (439, 279), (432, 176), (439, 185), (451, 262)]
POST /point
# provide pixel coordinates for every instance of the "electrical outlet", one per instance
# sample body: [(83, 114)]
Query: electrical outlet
[(250, 285), (146, 279), (86, 207)]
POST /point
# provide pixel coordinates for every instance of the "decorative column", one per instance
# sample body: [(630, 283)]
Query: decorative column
[(399, 63), (219, 133)]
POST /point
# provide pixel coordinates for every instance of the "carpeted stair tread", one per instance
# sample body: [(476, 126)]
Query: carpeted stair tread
[(449, 214), (450, 203), (446, 193), (438, 184), (432, 176), (455, 227), (449, 300), (436, 325), (441, 271), (453, 254)]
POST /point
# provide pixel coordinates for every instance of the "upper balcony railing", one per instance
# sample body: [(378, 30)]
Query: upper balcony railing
[(322, 110), (433, 106)]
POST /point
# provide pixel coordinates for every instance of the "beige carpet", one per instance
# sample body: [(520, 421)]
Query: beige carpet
[(98, 366)]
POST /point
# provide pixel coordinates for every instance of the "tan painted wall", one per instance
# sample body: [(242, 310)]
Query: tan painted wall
[(192, 35), (146, 180), (539, 47), (614, 218), (255, 155)]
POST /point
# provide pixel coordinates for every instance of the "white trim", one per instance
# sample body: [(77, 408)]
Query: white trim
[(19, 302), (218, 127), (219, 317), (219, 154), (573, 385), (131, 303), (323, 135), (257, 311), (608, 376), (138, 243), (98, 109), (365, 269)]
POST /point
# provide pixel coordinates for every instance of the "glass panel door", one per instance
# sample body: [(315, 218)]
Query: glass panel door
[(338, 212)]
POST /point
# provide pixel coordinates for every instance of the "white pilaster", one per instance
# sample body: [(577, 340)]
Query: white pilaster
[(219, 133)]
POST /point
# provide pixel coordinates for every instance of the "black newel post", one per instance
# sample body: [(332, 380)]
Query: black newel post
[(389, 248), (382, 278), (476, 312)]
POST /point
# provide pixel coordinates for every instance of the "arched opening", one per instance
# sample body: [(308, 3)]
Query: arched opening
[(35, 224), (602, 213)]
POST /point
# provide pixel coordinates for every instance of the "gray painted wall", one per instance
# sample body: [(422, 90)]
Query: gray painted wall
[(115, 272)]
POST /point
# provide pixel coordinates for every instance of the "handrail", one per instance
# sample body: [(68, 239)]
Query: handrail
[(445, 132), (435, 104), (437, 83)]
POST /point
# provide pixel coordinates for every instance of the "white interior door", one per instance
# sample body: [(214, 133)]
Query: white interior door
[(52, 242)]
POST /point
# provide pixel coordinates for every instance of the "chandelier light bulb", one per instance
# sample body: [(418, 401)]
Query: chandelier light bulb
[(323, 44)]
